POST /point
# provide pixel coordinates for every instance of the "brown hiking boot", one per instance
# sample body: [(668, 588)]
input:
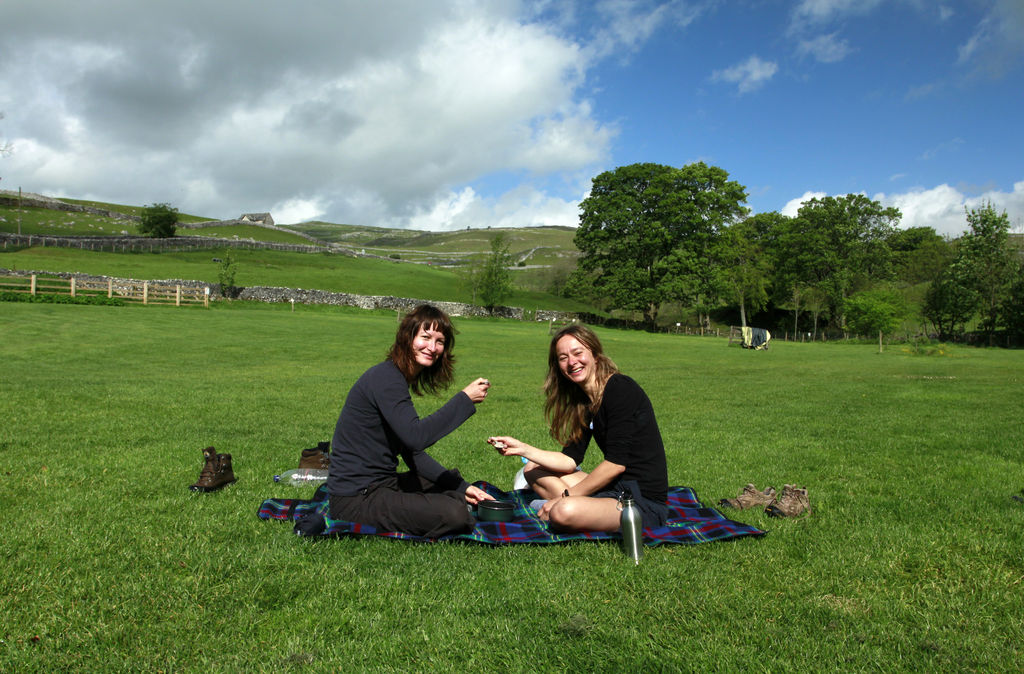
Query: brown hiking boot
[(793, 502), (316, 458), (216, 472), (750, 497)]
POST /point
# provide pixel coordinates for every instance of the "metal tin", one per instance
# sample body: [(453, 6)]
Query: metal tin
[(495, 511)]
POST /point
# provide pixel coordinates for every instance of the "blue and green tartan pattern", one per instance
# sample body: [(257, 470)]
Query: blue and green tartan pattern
[(689, 522)]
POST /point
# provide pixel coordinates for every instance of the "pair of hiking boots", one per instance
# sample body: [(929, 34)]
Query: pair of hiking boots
[(216, 473), (316, 458), (792, 502)]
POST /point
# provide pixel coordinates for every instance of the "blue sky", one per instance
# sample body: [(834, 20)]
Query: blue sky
[(446, 115)]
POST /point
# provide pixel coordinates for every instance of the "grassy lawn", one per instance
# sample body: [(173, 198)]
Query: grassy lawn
[(247, 232), (333, 272), (911, 561), (47, 222)]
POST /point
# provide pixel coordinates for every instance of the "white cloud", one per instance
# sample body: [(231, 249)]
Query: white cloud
[(373, 114), (294, 211), (996, 46), (446, 212), (942, 208), (921, 91), (748, 75), (626, 25), (519, 207), (793, 205), (942, 148), (822, 11), (825, 48)]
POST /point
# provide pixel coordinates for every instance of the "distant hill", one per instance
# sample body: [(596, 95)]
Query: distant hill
[(532, 247)]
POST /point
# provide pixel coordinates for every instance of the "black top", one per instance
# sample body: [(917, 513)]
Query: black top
[(625, 429), (378, 423)]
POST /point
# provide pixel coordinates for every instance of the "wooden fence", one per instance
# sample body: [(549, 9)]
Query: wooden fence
[(144, 292)]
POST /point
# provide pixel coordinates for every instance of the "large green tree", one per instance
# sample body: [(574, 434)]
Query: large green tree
[(744, 253), (647, 235), (878, 311), (838, 245), (987, 260), (919, 254), (950, 302), (1012, 310)]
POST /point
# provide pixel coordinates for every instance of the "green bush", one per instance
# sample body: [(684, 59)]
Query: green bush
[(159, 221), (226, 270), (8, 296)]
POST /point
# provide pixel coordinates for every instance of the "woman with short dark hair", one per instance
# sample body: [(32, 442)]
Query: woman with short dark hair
[(588, 397), (378, 424)]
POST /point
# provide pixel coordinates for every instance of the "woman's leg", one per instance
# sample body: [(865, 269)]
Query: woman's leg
[(584, 513), (389, 507)]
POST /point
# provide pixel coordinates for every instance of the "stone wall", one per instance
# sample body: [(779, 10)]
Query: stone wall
[(301, 296), (143, 243), (10, 198)]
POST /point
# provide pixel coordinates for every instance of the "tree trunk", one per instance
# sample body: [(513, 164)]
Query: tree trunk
[(651, 316), (743, 313), (879, 341)]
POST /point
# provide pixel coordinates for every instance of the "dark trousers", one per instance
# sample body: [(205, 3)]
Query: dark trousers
[(406, 503)]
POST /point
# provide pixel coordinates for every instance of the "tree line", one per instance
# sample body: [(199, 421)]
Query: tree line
[(652, 235)]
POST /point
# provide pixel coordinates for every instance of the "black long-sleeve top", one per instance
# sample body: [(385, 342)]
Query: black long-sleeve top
[(378, 424), (627, 433)]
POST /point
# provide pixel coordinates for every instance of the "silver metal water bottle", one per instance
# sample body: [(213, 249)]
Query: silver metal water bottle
[(632, 527)]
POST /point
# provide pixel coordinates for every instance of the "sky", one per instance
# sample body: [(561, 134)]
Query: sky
[(442, 115)]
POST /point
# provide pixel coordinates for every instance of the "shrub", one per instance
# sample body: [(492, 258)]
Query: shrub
[(226, 273), (7, 296), (159, 221)]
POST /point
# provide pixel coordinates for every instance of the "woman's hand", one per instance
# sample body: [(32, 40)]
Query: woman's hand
[(475, 494), (507, 446), (477, 390), (545, 510)]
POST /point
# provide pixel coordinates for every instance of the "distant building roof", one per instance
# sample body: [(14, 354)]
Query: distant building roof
[(264, 218)]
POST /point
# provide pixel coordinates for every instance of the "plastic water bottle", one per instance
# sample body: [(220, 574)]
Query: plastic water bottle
[(632, 527), (300, 477)]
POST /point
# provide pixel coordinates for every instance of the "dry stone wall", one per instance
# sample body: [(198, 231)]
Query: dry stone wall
[(302, 296), (10, 198), (141, 243)]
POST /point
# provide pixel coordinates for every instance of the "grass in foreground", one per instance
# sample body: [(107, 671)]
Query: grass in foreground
[(911, 560)]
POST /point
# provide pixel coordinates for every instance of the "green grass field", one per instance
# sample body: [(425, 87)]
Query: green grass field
[(327, 271), (529, 245), (532, 245), (911, 561)]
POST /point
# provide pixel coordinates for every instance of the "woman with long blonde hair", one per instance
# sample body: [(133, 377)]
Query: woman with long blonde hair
[(587, 397)]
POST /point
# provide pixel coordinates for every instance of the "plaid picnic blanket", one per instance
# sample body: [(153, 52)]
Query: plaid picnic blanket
[(689, 522)]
